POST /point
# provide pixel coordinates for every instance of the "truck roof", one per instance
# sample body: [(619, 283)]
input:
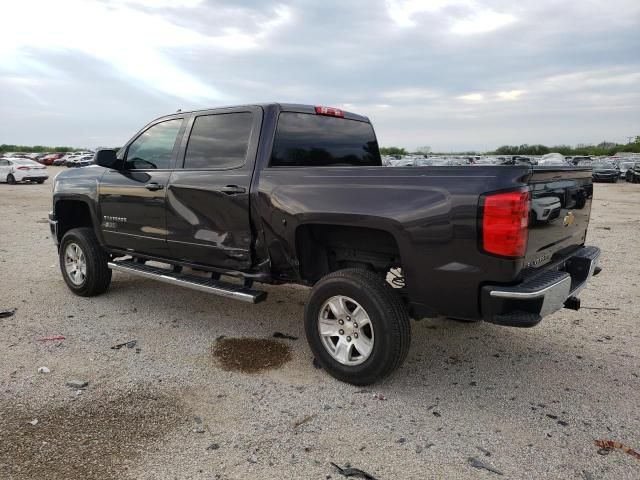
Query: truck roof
[(284, 107)]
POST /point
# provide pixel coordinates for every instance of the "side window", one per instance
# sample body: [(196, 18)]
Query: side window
[(219, 141), (4, 163), (154, 148)]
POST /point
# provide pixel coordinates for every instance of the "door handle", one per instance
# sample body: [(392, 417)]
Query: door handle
[(232, 189), (153, 186)]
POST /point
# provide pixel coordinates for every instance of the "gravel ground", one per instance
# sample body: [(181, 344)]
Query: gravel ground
[(526, 403)]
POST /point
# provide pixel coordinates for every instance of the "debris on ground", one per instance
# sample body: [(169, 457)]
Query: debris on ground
[(304, 420), (77, 384), (44, 370), (129, 344), (284, 336), (7, 313), (607, 446), (379, 396), (600, 308), (34, 422), (476, 463), (251, 355), (348, 471), (486, 452), (213, 446), (52, 338)]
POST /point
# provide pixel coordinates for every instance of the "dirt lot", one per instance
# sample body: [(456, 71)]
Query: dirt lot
[(526, 403)]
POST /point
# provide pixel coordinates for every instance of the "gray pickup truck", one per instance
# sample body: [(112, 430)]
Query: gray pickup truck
[(226, 199)]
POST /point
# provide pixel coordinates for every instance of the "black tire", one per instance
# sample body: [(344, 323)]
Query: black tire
[(387, 313), (98, 274), (11, 180), (40, 181)]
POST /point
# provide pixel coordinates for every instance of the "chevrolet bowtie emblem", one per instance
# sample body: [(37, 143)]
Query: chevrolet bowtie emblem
[(569, 219)]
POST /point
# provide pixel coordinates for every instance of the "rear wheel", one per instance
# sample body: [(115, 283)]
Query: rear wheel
[(11, 180), (357, 327), (40, 181), (84, 263)]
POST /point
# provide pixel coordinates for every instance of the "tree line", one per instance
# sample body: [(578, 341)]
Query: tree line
[(602, 149), (36, 149)]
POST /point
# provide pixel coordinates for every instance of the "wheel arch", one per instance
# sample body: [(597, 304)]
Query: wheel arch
[(73, 212), (322, 248)]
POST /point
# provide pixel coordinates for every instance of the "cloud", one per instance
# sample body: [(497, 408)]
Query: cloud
[(472, 97), (510, 94), (135, 43), (454, 74), (482, 22), (466, 17)]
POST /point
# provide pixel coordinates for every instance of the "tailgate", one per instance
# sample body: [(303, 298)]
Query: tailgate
[(560, 209)]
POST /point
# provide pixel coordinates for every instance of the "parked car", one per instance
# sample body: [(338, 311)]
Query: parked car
[(604, 172), (633, 173), (278, 193), (624, 166), (553, 159), (581, 160), (545, 209), (87, 162), (49, 159), (79, 161), (14, 169)]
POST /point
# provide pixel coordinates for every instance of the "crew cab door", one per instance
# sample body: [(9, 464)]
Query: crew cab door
[(133, 198), (208, 218)]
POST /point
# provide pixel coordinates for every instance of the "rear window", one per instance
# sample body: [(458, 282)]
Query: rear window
[(307, 140), (219, 141)]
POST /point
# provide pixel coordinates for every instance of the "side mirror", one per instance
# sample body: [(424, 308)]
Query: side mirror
[(106, 158)]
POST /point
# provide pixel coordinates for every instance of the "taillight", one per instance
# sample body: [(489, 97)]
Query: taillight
[(23, 168), (505, 222), (330, 111)]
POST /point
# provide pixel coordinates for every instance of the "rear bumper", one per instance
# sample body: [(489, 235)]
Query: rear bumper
[(525, 304)]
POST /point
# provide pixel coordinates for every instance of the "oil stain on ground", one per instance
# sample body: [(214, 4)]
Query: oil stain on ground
[(251, 355), (89, 439)]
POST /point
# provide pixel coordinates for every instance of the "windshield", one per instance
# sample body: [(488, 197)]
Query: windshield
[(603, 165)]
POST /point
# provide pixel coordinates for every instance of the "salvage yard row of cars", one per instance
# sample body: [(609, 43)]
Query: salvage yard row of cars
[(18, 167), (32, 167), (605, 169)]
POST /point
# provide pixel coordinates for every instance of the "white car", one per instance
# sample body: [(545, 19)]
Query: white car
[(545, 209), (13, 170)]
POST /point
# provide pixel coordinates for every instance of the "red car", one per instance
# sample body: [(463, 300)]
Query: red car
[(49, 159)]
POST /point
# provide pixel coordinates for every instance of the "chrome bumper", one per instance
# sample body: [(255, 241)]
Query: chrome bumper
[(542, 294)]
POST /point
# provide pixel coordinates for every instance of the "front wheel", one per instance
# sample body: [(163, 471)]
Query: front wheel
[(83, 263), (357, 327), (11, 180)]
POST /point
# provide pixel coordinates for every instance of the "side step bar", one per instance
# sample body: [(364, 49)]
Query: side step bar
[(216, 287)]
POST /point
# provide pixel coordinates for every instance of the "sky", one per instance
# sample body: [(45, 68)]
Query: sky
[(451, 74)]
